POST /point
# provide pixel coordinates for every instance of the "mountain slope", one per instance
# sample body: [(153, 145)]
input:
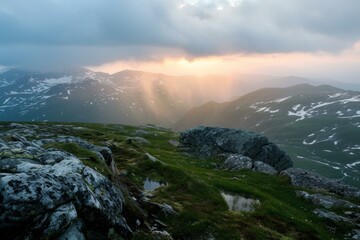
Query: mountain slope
[(129, 97), (82, 95), (319, 127), (99, 181)]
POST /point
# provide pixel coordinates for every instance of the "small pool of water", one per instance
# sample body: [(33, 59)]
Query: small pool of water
[(151, 185), (239, 203)]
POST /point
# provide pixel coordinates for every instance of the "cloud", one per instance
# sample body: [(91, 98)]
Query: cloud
[(48, 33)]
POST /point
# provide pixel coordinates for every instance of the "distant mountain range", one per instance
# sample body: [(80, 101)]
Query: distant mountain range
[(128, 97), (319, 127)]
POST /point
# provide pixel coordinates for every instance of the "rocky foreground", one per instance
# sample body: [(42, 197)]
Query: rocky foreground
[(47, 192)]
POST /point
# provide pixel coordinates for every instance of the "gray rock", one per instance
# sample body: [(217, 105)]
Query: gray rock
[(17, 126), (151, 158), (52, 157), (103, 153), (51, 192), (325, 201), (354, 216), (138, 140), (264, 168), (236, 162), (140, 133), (74, 232), (161, 234), (302, 178), (60, 220), (152, 126), (331, 216), (211, 141), (355, 234), (77, 128), (174, 143), (162, 208)]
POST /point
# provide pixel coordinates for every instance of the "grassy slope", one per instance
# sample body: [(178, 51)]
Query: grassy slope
[(193, 189)]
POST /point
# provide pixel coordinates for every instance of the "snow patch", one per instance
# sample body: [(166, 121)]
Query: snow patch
[(309, 143), (326, 164), (353, 99), (296, 107), (6, 100), (56, 81), (336, 95), (282, 99), (351, 165)]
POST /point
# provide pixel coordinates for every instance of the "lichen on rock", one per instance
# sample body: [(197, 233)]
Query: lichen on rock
[(51, 193)]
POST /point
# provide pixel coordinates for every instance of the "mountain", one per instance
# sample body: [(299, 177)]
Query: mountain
[(129, 97), (244, 84), (319, 127)]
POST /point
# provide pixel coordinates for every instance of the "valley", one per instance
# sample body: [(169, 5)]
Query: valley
[(317, 126)]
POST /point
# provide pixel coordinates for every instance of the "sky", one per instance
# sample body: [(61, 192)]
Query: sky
[(312, 38)]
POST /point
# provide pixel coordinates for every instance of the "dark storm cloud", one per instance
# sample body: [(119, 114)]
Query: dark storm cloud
[(89, 32)]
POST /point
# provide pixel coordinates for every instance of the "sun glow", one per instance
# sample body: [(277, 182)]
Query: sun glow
[(319, 65)]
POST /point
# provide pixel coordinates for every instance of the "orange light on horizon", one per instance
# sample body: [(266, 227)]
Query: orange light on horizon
[(302, 64)]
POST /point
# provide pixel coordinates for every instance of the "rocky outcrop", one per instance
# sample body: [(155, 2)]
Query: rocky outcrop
[(103, 153), (326, 201), (48, 193), (303, 178), (211, 141), (138, 140), (332, 216), (236, 162)]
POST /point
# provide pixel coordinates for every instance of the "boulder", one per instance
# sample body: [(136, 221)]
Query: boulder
[(213, 141), (74, 232), (303, 178), (264, 168), (140, 133), (138, 140), (331, 216), (325, 201), (103, 153), (236, 162), (174, 143), (54, 195), (151, 157)]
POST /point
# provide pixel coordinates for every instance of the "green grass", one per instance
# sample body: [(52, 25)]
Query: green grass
[(194, 186)]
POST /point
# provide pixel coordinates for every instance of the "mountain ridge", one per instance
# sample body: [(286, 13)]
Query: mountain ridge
[(317, 125)]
